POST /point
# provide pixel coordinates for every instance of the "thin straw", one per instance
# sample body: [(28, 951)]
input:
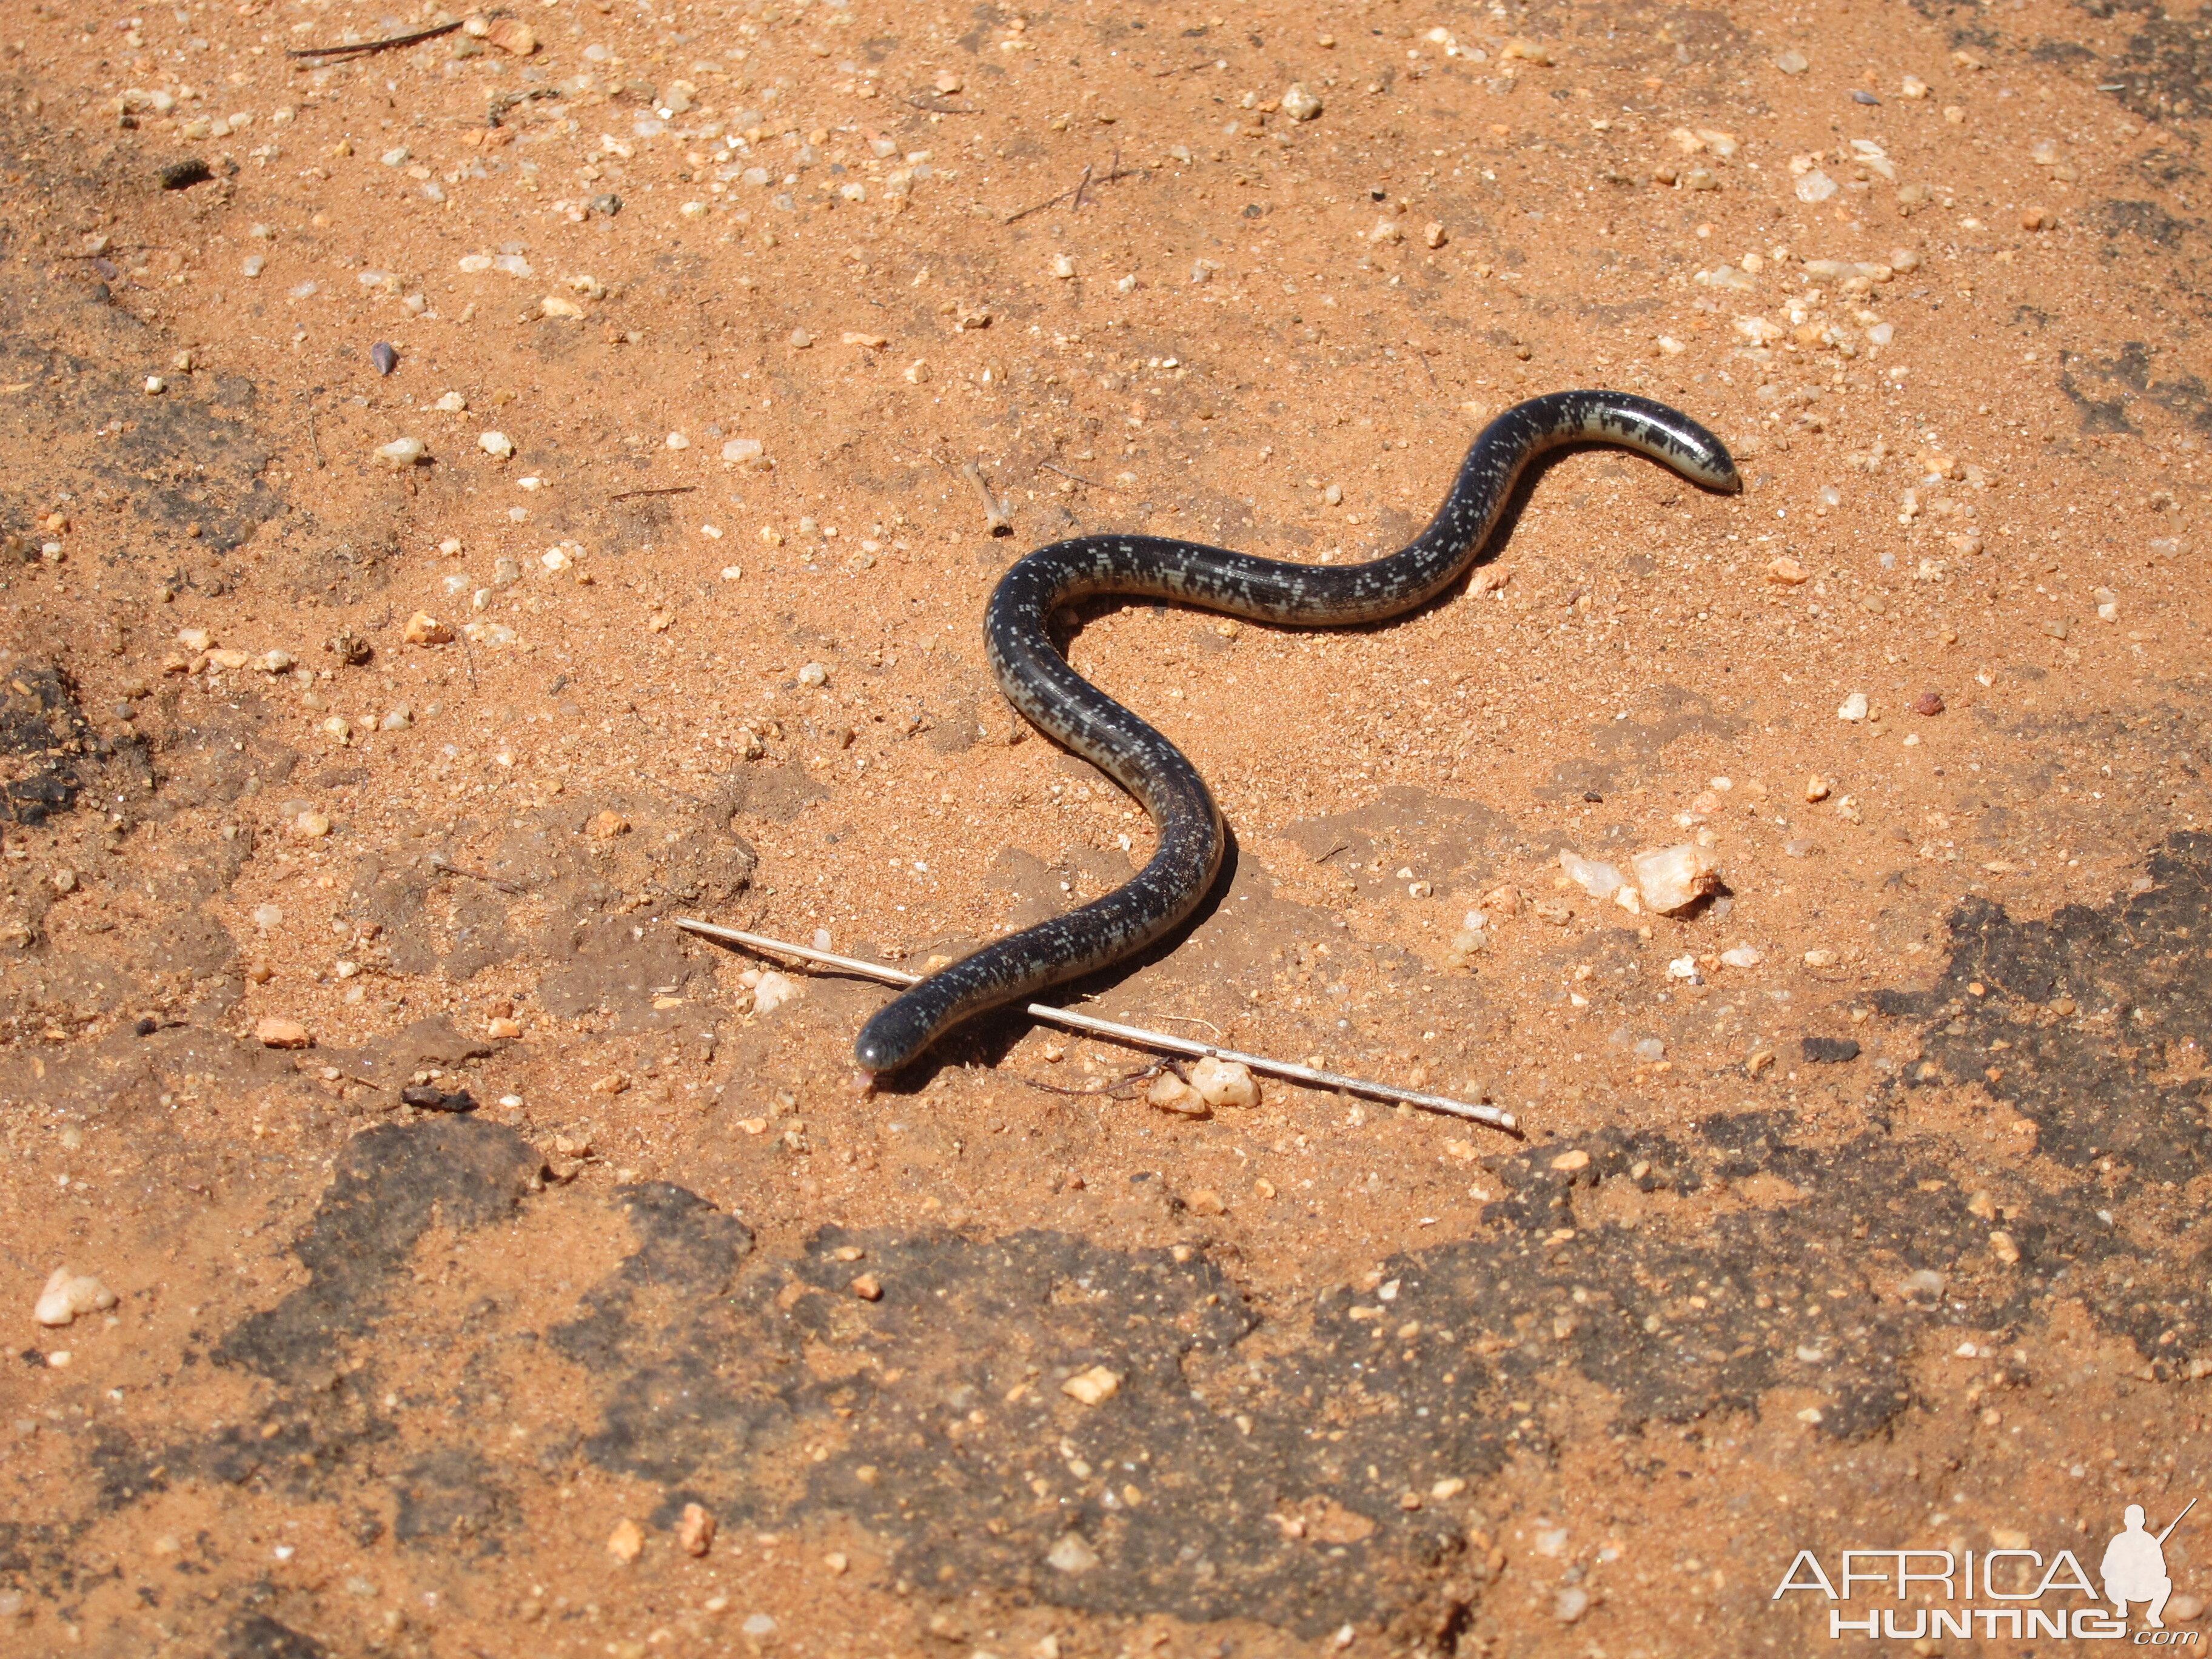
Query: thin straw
[(1106, 1028)]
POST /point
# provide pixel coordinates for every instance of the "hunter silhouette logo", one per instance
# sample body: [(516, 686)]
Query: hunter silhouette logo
[(2134, 1568)]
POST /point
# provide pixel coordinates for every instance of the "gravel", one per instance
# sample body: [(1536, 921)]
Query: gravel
[(68, 1295)]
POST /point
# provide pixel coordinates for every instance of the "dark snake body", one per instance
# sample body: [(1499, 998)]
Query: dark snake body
[(1039, 682)]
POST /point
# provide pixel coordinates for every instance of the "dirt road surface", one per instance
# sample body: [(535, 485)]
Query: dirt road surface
[(472, 502)]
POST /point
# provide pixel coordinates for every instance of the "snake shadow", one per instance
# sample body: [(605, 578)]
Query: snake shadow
[(989, 1039)]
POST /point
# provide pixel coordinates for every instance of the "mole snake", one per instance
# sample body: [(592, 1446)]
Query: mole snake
[(1040, 682)]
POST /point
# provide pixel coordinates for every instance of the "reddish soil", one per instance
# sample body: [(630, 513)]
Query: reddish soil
[(1886, 1232)]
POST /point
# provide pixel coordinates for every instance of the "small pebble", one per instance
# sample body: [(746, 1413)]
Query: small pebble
[(813, 674), (1828, 1051), (266, 916), (758, 1625), (1094, 1387), (2057, 630), (156, 385), (1600, 881), (626, 1542), (1741, 956), (743, 451), (452, 403), (68, 1294), (1928, 703), (1672, 878), (274, 1032), (385, 356), (1299, 104), (771, 990), (183, 175), (1571, 1604), (676, 440), (1822, 957), (423, 628), (1171, 1094), (695, 1533), (311, 826), (1785, 571), (1225, 1082), (606, 825), (868, 1287), (1071, 1555), (64, 881), (1853, 708), (1467, 943), (497, 445), (403, 452), (1792, 61)]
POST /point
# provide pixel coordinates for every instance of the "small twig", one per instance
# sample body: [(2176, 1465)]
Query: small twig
[(665, 490), (1090, 483), (1332, 853), (438, 862), (1040, 207), (1188, 1020), (1106, 1028), (1076, 189), (994, 512), (314, 442), (940, 109), (1183, 69), (361, 48), (1109, 1091)]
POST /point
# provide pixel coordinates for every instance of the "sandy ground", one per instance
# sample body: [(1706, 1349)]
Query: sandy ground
[(1859, 1207)]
